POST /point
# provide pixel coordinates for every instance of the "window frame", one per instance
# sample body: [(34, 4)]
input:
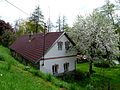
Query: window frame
[(55, 68), (66, 66), (67, 45), (60, 45)]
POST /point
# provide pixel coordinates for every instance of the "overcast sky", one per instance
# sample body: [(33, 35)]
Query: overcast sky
[(54, 8)]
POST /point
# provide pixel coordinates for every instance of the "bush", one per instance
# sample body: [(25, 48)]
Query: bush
[(26, 68), (49, 77), (104, 63), (89, 87), (74, 87), (2, 58), (34, 72), (79, 75), (118, 57), (74, 76), (7, 38), (9, 66)]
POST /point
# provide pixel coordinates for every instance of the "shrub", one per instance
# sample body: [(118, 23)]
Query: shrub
[(49, 77), (26, 68), (34, 72), (2, 58), (89, 87), (75, 86), (79, 75), (7, 38), (8, 66), (75, 76), (104, 63)]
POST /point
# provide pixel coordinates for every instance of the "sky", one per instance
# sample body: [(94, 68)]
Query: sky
[(49, 8)]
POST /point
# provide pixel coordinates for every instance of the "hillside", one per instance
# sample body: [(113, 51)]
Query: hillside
[(13, 75), (16, 76)]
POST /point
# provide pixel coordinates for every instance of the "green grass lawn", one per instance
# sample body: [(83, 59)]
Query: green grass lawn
[(112, 74), (13, 77), (16, 79)]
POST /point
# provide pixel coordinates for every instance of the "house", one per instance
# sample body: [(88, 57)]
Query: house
[(46, 52)]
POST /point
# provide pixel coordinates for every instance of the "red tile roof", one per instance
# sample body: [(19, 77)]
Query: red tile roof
[(34, 50)]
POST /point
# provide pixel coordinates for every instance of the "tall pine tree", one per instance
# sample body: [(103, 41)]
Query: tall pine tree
[(37, 18)]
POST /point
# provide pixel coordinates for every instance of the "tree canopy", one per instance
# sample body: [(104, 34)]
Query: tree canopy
[(7, 35), (37, 18), (26, 27), (95, 36), (4, 26)]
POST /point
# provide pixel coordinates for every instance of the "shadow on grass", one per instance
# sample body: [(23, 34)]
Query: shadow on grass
[(79, 77), (83, 79)]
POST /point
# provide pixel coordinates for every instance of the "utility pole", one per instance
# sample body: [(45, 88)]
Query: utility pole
[(49, 20), (63, 22), (59, 22), (45, 28)]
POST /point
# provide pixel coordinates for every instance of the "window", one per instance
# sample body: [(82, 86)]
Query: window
[(67, 45), (55, 68), (66, 65), (60, 45)]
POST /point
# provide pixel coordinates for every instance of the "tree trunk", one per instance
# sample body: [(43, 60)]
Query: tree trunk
[(36, 27), (90, 66)]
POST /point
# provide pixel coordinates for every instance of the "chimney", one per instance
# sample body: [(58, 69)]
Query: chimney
[(30, 36), (46, 31)]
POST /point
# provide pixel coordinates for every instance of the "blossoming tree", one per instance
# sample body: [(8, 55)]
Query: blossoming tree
[(95, 36)]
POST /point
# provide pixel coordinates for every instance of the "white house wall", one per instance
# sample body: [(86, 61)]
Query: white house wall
[(54, 52), (47, 68)]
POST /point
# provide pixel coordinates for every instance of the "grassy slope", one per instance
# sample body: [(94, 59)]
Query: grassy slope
[(112, 73), (12, 77), (15, 76)]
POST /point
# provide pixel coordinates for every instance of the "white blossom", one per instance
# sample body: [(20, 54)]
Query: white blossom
[(95, 30)]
